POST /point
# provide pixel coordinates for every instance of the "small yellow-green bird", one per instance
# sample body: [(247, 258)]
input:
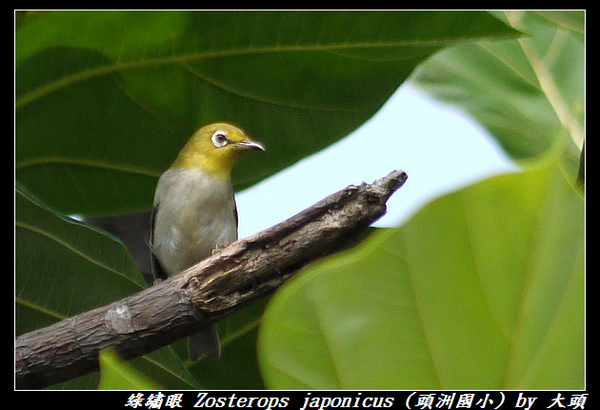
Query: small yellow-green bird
[(195, 213)]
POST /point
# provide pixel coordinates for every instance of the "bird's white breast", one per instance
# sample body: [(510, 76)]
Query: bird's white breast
[(195, 214)]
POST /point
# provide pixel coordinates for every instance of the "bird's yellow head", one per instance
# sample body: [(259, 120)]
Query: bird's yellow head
[(216, 148)]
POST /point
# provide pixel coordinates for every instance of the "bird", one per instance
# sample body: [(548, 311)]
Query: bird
[(194, 211)]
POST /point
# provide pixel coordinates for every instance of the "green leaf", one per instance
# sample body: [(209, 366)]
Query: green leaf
[(116, 374), (64, 267), (482, 289), (527, 92), (106, 99)]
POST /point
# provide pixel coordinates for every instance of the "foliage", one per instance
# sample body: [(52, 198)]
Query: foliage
[(482, 289), (528, 93), (116, 375), (104, 100)]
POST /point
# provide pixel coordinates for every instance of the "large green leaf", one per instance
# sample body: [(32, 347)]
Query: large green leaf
[(64, 267), (527, 92), (482, 289), (106, 99)]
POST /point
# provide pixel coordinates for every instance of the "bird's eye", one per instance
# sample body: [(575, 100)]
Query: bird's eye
[(219, 139)]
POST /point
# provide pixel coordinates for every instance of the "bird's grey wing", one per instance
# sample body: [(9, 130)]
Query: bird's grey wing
[(158, 271), (235, 213)]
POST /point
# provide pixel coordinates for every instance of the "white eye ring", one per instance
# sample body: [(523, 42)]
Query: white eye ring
[(219, 139)]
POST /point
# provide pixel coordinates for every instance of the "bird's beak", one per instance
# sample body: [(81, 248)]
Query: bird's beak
[(251, 145)]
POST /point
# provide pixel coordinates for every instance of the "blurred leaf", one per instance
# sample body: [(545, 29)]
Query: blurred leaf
[(116, 374), (568, 20), (106, 99), (482, 289), (165, 368), (527, 92), (581, 170), (162, 367)]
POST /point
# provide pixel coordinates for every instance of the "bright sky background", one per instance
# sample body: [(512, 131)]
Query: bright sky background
[(438, 147)]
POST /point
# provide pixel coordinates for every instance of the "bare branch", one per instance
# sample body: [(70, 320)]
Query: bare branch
[(214, 288)]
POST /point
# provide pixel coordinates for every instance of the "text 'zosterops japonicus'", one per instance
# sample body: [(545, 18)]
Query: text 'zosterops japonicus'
[(195, 213)]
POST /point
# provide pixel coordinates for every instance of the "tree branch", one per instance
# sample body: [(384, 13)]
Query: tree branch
[(214, 288)]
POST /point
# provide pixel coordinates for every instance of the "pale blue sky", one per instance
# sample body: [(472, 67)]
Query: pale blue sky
[(440, 148)]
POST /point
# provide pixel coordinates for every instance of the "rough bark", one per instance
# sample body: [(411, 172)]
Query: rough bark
[(216, 287)]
